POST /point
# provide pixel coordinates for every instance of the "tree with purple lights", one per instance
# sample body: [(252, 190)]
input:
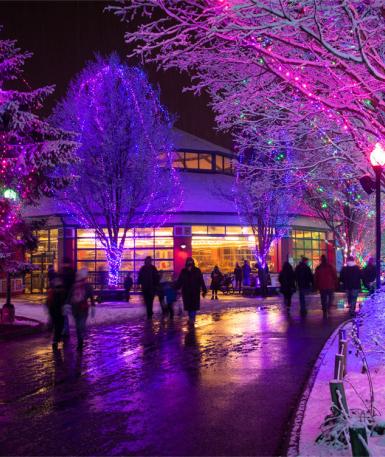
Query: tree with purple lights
[(125, 173), (34, 156), (318, 62)]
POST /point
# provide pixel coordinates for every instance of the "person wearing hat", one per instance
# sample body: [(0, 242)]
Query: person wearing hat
[(191, 282), (148, 279), (304, 279), (82, 297)]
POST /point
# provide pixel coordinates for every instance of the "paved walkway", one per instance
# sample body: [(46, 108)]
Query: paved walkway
[(227, 387)]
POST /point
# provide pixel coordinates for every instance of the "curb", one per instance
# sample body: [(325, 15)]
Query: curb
[(295, 433), (26, 330)]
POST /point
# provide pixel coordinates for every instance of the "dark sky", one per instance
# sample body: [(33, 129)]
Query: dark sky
[(64, 35)]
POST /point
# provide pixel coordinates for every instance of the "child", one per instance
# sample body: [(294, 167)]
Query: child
[(171, 297)]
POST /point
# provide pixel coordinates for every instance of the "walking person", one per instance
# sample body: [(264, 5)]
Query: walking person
[(304, 279), (216, 281), (238, 277), (56, 299), (286, 279), (51, 275), (369, 275), (148, 279), (82, 297), (326, 282), (246, 271), (128, 283), (191, 282), (170, 298), (67, 275), (350, 276)]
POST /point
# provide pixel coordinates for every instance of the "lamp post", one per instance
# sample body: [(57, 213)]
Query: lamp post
[(377, 159)]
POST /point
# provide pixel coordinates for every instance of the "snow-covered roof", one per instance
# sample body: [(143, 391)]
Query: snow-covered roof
[(184, 140)]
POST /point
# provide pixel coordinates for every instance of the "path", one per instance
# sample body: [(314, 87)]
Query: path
[(229, 387)]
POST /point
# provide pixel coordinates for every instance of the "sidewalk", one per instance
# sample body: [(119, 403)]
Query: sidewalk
[(356, 384), (31, 306), (21, 327)]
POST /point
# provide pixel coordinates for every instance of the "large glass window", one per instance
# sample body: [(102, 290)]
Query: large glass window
[(140, 243), (42, 258), (311, 244)]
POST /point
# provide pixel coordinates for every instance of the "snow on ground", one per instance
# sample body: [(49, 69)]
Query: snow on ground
[(372, 322)]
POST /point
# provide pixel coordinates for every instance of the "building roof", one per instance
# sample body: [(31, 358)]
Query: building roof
[(184, 140)]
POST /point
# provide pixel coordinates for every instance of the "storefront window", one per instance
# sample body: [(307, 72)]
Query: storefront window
[(199, 229), (205, 162), (309, 244), (142, 242), (191, 160), (215, 230)]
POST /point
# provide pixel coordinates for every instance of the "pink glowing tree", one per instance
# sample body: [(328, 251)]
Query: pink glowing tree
[(318, 62), (125, 174), (34, 158)]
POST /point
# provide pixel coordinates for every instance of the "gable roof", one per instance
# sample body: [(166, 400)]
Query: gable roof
[(184, 140)]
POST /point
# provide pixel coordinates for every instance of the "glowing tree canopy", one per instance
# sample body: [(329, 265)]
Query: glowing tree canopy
[(34, 156), (125, 174), (318, 61)]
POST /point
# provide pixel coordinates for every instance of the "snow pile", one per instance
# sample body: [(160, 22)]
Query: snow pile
[(364, 384)]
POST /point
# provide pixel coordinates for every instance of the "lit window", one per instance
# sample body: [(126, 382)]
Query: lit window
[(199, 229), (178, 161), (227, 166), (213, 230), (233, 230), (191, 160), (205, 161), (219, 162)]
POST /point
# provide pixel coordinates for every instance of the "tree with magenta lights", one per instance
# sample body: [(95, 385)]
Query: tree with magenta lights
[(125, 173), (34, 159)]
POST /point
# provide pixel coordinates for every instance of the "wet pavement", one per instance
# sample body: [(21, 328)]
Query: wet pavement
[(228, 387)]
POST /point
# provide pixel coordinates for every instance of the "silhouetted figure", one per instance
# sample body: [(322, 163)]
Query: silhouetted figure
[(350, 276), (238, 277), (191, 282), (305, 281), (369, 275), (246, 271), (263, 276), (128, 283), (326, 282), (216, 281), (286, 279), (82, 297), (51, 275), (148, 279), (56, 298), (67, 275)]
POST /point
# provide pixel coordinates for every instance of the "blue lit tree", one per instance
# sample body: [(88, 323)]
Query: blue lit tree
[(125, 174)]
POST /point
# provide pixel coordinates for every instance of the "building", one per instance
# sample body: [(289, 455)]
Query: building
[(206, 226)]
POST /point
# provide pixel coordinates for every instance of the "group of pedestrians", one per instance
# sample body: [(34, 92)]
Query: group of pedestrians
[(326, 281), (190, 282), (69, 293)]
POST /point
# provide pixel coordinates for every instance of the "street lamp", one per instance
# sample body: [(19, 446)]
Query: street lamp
[(377, 159)]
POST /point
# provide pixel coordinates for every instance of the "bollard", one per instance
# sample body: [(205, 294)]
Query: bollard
[(337, 391), (339, 366), (358, 440), (343, 349), (341, 334)]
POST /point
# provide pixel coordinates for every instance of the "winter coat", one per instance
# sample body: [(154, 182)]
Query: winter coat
[(148, 279), (128, 282), (350, 276), (287, 280), (56, 299), (191, 282), (216, 279), (303, 276), (246, 270), (82, 295), (68, 278), (325, 277), (238, 273), (368, 275)]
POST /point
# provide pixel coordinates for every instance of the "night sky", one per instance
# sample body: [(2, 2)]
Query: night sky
[(64, 35)]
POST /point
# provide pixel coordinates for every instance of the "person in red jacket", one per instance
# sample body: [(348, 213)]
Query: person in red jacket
[(326, 281)]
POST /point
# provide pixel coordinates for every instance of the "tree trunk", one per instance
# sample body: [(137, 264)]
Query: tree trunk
[(8, 311), (114, 258)]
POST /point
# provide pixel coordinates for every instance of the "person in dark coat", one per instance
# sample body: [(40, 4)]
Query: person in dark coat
[(56, 299), (263, 277), (148, 279), (238, 277), (305, 281), (246, 271), (191, 282), (82, 297), (369, 275), (286, 279), (326, 282), (350, 276), (216, 281), (51, 275), (128, 283)]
